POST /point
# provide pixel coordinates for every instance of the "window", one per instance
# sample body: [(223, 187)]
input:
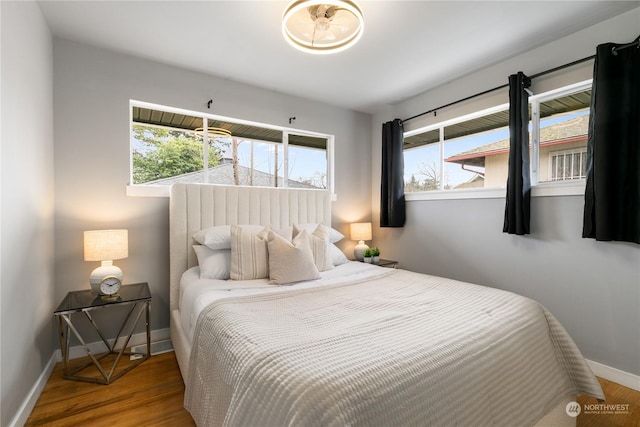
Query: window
[(472, 151), (560, 139), (170, 145), (568, 164), (467, 152)]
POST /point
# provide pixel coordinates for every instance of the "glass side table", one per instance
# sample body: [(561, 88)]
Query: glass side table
[(389, 263), (137, 298)]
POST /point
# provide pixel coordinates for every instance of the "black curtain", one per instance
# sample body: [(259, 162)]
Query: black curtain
[(612, 195), (517, 207), (392, 204)]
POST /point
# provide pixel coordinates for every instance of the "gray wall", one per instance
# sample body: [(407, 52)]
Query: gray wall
[(92, 89), (592, 287), (26, 214)]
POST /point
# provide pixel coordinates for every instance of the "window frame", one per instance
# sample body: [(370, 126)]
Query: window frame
[(535, 101), (570, 187), (146, 190)]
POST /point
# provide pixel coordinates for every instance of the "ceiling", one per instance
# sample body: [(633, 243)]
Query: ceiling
[(408, 47)]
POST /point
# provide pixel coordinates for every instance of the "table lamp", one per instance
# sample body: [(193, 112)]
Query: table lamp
[(360, 231), (105, 246)]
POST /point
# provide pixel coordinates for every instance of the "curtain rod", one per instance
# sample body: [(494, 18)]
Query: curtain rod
[(433, 110), (636, 42)]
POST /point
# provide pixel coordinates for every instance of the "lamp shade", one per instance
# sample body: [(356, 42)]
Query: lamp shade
[(322, 26), (106, 245), (361, 231)]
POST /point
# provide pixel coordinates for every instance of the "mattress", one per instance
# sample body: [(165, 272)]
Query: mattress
[(377, 347)]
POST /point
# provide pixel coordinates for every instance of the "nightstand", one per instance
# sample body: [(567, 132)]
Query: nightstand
[(102, 368), (387, 263)]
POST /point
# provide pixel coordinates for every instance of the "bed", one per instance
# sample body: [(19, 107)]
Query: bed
[(353, 344)]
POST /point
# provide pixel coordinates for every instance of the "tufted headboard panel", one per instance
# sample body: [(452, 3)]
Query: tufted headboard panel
[(193, 207)]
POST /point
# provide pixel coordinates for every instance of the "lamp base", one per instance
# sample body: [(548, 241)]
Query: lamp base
[(358, 251), (103, 271)]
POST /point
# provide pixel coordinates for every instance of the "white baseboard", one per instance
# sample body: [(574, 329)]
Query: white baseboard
[(21, 417), (99, 347), (616, 375)]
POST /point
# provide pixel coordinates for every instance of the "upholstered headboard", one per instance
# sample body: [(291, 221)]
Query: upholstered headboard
[(196, 206)]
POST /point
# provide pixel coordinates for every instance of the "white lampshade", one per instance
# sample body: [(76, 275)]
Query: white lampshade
[(105, 246), (360, 231), (321, 27)]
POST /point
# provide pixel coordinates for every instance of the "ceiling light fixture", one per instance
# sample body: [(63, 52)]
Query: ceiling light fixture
[(322, 27)]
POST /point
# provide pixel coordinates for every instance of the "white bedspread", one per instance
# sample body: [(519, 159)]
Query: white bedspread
[(196, 293), (396, 350)]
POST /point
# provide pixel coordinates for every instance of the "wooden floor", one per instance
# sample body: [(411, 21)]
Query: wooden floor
[(152, 395), (149, 395)]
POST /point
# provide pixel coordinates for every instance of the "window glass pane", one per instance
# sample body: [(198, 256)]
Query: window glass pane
[(563, 131), (476, 153), (259, 164), (422, 168), (421, 139), (307, 162), (160, 153)]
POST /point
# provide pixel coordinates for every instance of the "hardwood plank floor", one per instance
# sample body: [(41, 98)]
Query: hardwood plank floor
[(152, 395), (149, 395), (616, 395)]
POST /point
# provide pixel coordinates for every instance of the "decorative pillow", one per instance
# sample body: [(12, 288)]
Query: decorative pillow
[(319, 241), (337, 255), (219, 236), (290, 262), (214, 264), (334, 235), (249, 256)]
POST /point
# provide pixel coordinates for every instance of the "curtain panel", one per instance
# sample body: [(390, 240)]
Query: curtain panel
[(612, 194), (517, 206), (392, 203)]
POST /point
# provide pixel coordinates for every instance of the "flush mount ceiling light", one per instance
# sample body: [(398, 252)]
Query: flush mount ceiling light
[(322, 27)]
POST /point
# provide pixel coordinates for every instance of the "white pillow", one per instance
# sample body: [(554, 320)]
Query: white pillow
[(337, 255), (249, 256), (319, 241), (219, 236), (334, 235), (214, 264), (290, 262), (216, 237)]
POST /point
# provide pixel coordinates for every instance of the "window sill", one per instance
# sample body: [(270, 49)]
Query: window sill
[(547, 189), (550, 189)]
